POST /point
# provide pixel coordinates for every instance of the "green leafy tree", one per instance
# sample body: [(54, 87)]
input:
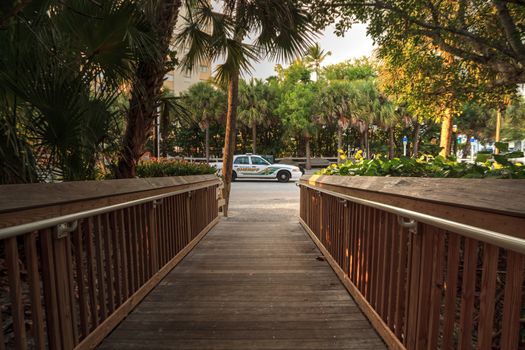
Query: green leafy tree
[(298, 106), (514, 123), (356, 69), (433, 85), (486, 33)]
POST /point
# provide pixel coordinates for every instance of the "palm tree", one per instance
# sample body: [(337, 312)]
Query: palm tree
[(387, 116), (61, 72), (161, 16), (365, 107), (204, 103), (253, 106), (171, 109), (335, 106), (314, 57), (280, 29)]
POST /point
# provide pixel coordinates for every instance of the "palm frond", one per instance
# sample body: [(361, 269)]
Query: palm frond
[(284, 30)]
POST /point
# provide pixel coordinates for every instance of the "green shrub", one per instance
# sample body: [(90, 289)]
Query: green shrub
[(486, 166), (163, 167)]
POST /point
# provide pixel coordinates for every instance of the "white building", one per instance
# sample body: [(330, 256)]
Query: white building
[(180, 80)]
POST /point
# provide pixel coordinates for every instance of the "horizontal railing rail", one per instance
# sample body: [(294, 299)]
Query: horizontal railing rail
[(426, 281), (69, 279), (17, 230)]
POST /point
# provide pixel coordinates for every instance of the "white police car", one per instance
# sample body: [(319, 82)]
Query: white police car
[(251, 166)]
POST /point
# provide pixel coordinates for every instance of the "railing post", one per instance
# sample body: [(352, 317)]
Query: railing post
[(152, 236), (63, 293), (188, 216)]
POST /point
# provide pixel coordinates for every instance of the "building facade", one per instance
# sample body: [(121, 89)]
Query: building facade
[(179, 80)]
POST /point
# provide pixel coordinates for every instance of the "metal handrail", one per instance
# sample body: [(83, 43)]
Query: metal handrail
[(495, 238), (17, 230)]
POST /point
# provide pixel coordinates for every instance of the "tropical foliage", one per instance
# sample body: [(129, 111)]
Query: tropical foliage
[(80, 83), (429, 166), (62, 69)]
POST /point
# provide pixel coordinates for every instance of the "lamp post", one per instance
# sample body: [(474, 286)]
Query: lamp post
[(405, 141)]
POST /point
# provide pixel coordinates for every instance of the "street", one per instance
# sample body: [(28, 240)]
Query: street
[(251, 198)]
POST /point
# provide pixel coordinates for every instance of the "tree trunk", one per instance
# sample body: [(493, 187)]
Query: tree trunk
[(146, 90), (308, 156), (446, 131), (207, 142), (498, 128), (254, 138), (230, 138), (164, 127), (391, 143), (415, 147), (339, 143)]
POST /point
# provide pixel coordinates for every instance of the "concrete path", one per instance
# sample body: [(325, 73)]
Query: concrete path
[(256, 281)]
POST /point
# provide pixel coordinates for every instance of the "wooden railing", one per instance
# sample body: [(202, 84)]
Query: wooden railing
[(433, 263), (78, 257)]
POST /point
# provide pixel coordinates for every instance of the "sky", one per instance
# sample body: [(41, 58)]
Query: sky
[(354, 44)]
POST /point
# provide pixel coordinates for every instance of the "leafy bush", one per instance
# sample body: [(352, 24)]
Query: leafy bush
[(164, 167), (486, 166)]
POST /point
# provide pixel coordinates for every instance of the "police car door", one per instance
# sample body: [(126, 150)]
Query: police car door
[(242, 166), (261, 165)]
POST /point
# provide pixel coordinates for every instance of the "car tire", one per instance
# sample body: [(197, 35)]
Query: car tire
[(234, 176), (283, 176)]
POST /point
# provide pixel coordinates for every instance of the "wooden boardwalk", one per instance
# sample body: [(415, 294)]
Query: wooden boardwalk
[(248, 286)]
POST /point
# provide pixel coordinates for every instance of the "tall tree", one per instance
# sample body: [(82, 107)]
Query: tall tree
[(171, 110), (205, 104), (161, 16), (298, 105), (279, 29), (314, 56), (298, 108), (432, 85), (335, 106), (253, 106), (341, 94)]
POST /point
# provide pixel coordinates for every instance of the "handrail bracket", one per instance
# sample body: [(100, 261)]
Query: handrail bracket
[(410, 224), (62, 230)]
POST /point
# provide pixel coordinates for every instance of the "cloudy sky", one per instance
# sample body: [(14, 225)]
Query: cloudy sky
[(354, 44)]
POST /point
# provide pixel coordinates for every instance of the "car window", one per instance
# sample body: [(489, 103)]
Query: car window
[(259, 161), (242, 160)]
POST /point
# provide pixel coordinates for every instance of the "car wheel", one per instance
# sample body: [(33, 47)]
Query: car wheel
[(234, 176), (283, 176)]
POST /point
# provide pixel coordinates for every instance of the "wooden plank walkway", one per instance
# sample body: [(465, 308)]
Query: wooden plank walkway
[(248, 286)]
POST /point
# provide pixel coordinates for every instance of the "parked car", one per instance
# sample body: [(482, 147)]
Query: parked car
[(251, 166)]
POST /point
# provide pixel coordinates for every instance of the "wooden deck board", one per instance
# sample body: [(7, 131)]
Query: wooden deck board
[(248, 286)]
